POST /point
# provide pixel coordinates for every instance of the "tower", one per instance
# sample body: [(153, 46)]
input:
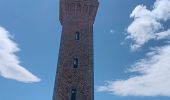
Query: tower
[(75, 76)]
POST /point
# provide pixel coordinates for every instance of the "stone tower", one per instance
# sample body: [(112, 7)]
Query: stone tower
[(75, 76)]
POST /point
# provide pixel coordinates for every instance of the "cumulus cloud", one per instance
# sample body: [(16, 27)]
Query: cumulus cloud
[(10, 67), (163, 35), (154, 78), (147, 24), (152, 73)]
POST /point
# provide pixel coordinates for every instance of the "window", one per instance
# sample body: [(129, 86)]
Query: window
[(73, 94), (75, 63), (77, 36)]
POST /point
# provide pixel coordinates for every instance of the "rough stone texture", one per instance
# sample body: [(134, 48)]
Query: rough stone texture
[(76, 16)]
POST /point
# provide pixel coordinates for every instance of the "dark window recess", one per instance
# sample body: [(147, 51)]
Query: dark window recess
[(77, 36), (73, 94), (75, 63)]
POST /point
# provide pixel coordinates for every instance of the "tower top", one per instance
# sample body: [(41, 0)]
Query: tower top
[(76, 10)]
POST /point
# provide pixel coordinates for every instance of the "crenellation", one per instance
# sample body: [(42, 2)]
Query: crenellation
[(79, 9)]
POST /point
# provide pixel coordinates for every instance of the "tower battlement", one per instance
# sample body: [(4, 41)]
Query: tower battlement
[(78, 10)]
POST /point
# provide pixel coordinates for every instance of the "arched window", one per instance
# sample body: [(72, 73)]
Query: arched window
[(77, 36)]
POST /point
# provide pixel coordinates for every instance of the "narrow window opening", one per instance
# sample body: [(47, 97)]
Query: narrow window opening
[(77, 36), (75, 63), (73, 94)]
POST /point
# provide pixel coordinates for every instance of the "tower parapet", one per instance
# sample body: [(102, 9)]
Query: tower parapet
[(79, 9)]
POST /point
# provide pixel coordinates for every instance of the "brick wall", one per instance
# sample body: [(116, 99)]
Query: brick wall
[(76, 16)]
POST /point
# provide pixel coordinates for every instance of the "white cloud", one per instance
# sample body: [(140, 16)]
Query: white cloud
[(147, 23), (161, 9), (154, 78), (154, 69), (163, 35), (10, 67)]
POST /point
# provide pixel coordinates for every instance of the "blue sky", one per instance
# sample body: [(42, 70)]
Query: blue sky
[(131, 54)]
